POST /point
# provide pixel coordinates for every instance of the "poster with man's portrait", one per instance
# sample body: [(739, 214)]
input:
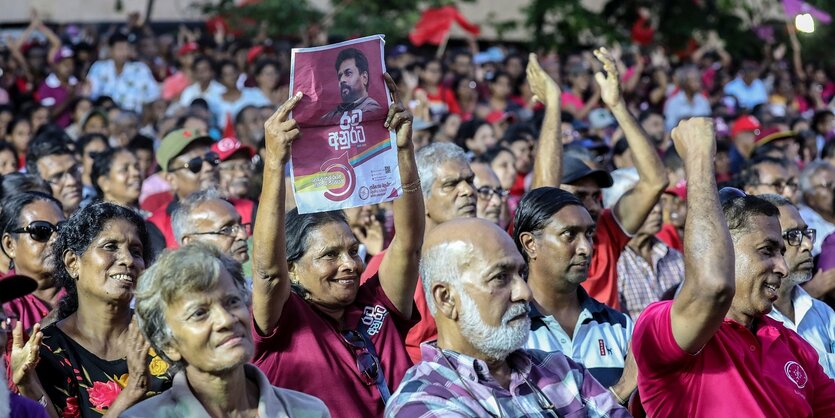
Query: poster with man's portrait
[(344, 157)]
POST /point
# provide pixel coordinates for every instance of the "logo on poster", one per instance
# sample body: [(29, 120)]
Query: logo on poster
[(350, 131), (363, 192)]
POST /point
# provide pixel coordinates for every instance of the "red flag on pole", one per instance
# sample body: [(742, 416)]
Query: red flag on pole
[(435, 23)]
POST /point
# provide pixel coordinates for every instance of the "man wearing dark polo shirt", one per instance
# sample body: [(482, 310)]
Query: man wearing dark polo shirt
[(615, 226), (713, 352)]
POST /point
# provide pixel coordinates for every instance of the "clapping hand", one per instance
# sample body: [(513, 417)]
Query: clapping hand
[(24, 357)]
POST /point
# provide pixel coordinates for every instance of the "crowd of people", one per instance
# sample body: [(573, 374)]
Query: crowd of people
[(606, 233)]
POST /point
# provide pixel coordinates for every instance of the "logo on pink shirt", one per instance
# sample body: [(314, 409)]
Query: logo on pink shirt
[(373, 317), (796, 374)]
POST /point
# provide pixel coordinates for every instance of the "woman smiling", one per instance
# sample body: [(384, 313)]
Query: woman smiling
[(193, 306), (332, 337), (94, 361)]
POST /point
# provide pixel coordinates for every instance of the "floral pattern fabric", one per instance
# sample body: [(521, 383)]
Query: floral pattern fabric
[(82, 385)]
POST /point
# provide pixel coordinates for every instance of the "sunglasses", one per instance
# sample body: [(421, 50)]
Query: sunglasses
[(195, 165), (368, 365), (40, 231)]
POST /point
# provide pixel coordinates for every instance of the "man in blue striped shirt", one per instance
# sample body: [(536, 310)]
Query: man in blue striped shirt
[(554, 232)]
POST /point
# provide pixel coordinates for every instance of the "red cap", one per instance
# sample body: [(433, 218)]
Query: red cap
[(679, 190), (745, 123), (188, 48), (228, 146)]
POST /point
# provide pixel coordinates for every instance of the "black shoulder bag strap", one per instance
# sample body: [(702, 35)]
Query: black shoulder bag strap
[(381, 383)]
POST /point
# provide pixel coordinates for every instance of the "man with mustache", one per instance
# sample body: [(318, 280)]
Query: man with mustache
[(492, 199), (810, 318), (206, 217), (474, 281), (50, 158), (352, 73), (715, 342)]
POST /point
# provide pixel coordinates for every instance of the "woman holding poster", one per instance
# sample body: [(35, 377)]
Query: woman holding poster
[(316, 329)]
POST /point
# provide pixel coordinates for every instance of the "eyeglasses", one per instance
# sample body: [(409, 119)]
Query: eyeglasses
[(487, 193), (7, 324), (229, 231), (368, 365), (40, 231), (73, 173), (195, 165), (780, 184), (794, 237)]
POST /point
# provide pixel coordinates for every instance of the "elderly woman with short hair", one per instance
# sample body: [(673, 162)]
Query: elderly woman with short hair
[(193, 306)]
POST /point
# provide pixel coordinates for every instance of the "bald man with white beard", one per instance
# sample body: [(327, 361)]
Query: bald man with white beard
[(474, 281)]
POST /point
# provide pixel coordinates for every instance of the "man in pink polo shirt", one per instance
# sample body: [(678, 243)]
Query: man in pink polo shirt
[(713, 352)]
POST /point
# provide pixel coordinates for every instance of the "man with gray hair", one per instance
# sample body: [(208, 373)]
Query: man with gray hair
[(474, 281), (794, 307), (208, 218), (817, 182)]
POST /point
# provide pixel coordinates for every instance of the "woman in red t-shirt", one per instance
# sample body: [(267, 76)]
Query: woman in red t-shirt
[(328, 336)]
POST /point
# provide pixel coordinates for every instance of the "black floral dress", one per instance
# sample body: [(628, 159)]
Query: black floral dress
[(83, 385)]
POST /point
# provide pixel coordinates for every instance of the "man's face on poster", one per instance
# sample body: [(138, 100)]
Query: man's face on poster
[(352, 82)]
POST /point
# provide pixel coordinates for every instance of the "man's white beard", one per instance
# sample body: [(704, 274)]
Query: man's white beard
[(5, 402), (796, 278), (494, 342)]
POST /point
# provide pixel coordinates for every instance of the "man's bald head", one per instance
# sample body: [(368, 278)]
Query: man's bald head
[(460, 244)]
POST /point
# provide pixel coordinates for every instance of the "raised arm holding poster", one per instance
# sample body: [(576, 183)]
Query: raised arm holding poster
[(345, 156)]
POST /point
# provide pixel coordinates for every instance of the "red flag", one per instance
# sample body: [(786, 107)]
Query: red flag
[(435, 23), (229, 130)]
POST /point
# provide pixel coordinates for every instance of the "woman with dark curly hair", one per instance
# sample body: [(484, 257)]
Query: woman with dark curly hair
[(29, 221), (94, 361)]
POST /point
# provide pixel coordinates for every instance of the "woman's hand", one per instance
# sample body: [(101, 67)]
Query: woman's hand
[(138, 380), (279, 132), (24, 357), (137, 358)]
